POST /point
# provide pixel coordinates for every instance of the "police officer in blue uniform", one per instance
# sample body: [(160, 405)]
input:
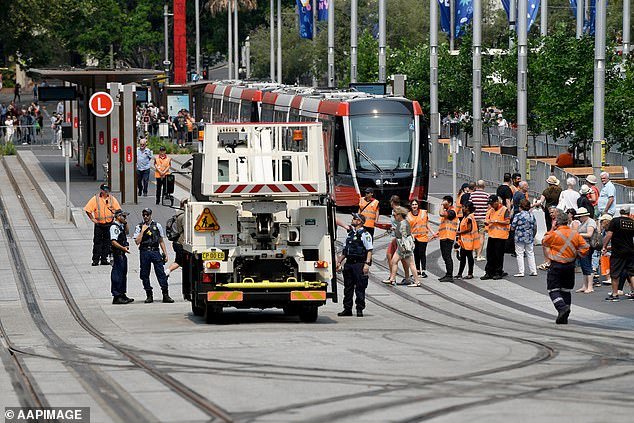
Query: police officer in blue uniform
[(149, 235), (119, 273), (357, 254)]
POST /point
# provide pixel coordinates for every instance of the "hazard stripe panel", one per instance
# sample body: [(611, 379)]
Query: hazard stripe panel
[(308, 295), (224, 296), (264, 188)]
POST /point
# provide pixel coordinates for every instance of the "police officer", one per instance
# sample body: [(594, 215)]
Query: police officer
[(149, 235), (100, 210), (358, 256), (563, 246), (119, 274)]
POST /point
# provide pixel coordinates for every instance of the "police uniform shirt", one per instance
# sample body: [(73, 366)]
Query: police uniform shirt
[(137, 229), (366, 238), (115, 230)]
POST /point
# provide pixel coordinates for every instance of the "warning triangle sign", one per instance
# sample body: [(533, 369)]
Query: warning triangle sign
[(206, 222)]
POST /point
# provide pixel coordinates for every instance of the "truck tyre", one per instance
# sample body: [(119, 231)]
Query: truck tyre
[(197, 309), (212, 313), (290, 310), (308, 314)]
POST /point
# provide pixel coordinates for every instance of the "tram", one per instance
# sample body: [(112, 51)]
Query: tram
[(374, 141)]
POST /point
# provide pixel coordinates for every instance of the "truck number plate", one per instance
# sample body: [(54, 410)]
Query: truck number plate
[(214, 255)]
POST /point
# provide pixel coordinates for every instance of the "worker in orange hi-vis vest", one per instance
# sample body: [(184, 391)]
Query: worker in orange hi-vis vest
[(369, 208), (468, 239), (563, 246), (100, 210), (447, 235), (162, 165), (498, 225), (419, 222)]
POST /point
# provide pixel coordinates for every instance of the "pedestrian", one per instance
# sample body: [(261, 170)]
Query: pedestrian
[(357, 254), (162, 166), (607, 196), (405, 248), (395, 202), (498, 222), (16, 92), (593, 196), (525, 227), (573, 222), (143, 159), (568, 197), (419, 222), (35, 91), (586, 229), (480, 200), (520, 194), (563, 246), (584, 201), (10, 129), (549, 198), (505, 192), (619, 235), (369, 208), (100, 210), (468, 239), (180, 253), (603, 268), (462, 199), (149, 235), (516, 178), (120, 247), (447, 235)]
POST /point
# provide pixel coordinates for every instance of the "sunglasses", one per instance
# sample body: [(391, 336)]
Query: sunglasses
[(146, 214)]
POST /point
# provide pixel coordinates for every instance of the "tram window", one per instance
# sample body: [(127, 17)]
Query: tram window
[(279, 116), (267, 113), (245, 111), (254, 112), (294, 116), (341, 159)]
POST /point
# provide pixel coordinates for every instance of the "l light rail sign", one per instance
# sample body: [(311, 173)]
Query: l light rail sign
[(101, 104)]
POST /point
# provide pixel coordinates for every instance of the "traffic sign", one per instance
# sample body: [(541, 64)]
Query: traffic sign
[(206, 222), (101, 104)]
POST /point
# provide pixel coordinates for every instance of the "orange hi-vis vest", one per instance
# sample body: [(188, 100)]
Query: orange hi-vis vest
[(418, 224), (498, 223), (448, 228), (470, 240), (564, 245), (459, 206), (369, 210), (102, 208), (162, 165)]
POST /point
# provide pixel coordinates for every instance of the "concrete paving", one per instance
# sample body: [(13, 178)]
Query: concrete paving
[(477, 351)]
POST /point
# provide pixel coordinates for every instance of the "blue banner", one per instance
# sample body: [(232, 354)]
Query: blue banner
[(463, 16), (322, 10), (533, 8), (305, 19)]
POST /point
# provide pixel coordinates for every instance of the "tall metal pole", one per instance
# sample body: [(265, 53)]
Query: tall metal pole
[(382, 42), (236, 44), (522, 80), (197, 11), (247, 57), (544, 19), (67, 147), (272, 22), (315, 15), (331, 44), (230, 39), (626, 27), (512, 21), (354, 6), (166, 62), (452, 23), (279, 41), (477, 88), (599, 86), (434, 124), (580, 16)]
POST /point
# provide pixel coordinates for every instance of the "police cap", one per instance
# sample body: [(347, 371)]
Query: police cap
[(147, 211), (120, 212), (104, 187), (358, 216)]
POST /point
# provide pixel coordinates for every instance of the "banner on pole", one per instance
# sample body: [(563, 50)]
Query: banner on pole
[(305, 19), (533, 8), (322, 10), (463, 16)]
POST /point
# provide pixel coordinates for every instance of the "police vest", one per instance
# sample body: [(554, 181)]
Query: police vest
[(470, 240), (354, 250), (448, 228), (151, 237), (368, 210), (122, 239), (418, 224)]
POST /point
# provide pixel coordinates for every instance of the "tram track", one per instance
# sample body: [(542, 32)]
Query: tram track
[(132, 411)]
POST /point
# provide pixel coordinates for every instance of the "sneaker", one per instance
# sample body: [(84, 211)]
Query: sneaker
[(480, 258), (423, 275), (612, 298), (630, 295), (414, 284), (95, 263), (128, 299), (446, 279), (532, 274), (496, 277), (519, 275), (485, 277), (458, 277), (562, 317), (388, 281), (119, 300), (345, 313), (359, 313)]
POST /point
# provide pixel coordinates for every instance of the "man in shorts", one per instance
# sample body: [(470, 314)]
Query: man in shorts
[(619, 235)]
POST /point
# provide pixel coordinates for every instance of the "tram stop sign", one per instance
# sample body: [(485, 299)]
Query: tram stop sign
[(101, 104)]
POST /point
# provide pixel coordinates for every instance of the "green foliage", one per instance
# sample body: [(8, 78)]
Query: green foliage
[(155, 143), (8, 149)]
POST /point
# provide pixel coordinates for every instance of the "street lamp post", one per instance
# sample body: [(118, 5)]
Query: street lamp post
[(166, 62), (197, 12), (353, 40), (580, 13), (626, 28), (236, 66), (599, 86), (230, 38), (272, 22), (522, 81), (331, 43), (382, 41), (544, 19), (279, 41), (477, 88), (434, 124)]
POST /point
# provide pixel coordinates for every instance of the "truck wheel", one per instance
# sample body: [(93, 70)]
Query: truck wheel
[(212, 313), (196, 308), (290, 310), (308, 314)]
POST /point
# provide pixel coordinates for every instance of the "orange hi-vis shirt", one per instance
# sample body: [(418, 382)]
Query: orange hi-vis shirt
[(564, 245), (162, 165), (102, 208), (418, 224), (459, 206), (469, 239), (498, 223), (369, 210), (448, 228)]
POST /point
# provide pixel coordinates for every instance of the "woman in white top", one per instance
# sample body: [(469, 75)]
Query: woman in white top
[(568, 198), (10, 129)]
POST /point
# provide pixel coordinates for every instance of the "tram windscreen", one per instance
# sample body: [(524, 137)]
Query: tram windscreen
[(383, 141)]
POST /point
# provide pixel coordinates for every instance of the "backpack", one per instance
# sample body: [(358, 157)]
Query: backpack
[(596, 240), (171, 228)]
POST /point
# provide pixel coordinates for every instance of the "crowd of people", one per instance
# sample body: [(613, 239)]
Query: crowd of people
[(20, 124), (155, 121)]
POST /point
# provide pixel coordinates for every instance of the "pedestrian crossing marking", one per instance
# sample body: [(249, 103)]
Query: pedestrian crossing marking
[(206, 222)]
